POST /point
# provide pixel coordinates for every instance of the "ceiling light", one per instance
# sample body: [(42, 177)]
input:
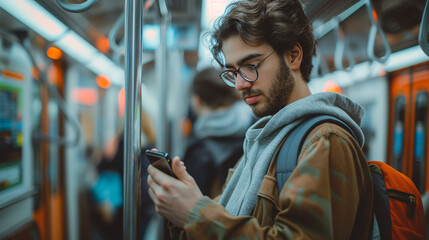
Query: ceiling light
[(76, 47), (35, 17), (405, 58)]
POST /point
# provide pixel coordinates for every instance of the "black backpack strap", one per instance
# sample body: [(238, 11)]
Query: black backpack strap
[(381, 205), (291, 148)]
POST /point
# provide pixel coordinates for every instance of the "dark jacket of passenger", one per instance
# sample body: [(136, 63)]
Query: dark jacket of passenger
[(215, 145)]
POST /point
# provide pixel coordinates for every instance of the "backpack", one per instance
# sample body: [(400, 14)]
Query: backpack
[(398, 208)]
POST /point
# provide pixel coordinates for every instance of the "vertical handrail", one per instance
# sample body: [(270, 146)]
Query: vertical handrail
[(162, 125), (132, 165), (376, 27), (423, 33)]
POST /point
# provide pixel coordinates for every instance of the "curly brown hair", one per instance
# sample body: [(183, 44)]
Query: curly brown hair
[(279, 23)]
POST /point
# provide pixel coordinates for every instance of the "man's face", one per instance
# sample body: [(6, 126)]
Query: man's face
[(274, 86)]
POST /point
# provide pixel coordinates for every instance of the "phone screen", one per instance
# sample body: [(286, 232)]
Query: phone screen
[(161, 161)]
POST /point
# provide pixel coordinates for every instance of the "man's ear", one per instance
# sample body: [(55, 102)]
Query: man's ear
[(295, 57)]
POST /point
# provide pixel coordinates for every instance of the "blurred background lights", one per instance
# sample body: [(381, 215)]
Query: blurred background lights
[(102, 44), (121, 102), (103, 81), (331, 86), (54, 53), (85, 96)]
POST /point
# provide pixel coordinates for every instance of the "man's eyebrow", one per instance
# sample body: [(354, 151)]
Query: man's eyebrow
[(246, 58)]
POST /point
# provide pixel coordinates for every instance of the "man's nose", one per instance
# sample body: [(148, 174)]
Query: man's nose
[(241, 83)]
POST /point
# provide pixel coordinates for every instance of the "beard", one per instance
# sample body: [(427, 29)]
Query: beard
[(278, 94)]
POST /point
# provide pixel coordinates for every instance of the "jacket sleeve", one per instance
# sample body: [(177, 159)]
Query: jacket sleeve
[(319, 201), (177, 233)]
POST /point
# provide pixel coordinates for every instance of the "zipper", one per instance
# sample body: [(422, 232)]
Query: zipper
[(408, 198)]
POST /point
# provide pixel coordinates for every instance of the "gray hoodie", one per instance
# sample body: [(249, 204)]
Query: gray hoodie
[(263, 137), (233, 121)]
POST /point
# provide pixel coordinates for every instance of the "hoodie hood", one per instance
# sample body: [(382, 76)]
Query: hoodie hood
[(233, 121), (332, 104)]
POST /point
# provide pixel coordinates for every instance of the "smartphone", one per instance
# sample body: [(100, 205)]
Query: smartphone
[(161, 161)]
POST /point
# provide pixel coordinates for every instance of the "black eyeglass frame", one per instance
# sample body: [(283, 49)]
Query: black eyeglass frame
[(255, 68)]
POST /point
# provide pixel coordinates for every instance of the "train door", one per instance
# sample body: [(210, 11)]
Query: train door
[(49, 212), (408, 124), (16, 152), (417, 163)]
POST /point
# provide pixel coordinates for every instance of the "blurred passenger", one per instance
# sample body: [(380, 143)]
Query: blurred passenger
[(107, 190), (266, 47), (216, 140)]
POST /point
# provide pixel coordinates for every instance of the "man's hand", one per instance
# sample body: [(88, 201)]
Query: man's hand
[(173, 198)]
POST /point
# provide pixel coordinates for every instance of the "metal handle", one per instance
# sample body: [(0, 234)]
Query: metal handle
[(423, 34), (76, 7), (375, 27), (340, 51), (117, 47), (327, 27)]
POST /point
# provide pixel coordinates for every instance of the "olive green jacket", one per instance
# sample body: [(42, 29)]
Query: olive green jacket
[(328, 196)]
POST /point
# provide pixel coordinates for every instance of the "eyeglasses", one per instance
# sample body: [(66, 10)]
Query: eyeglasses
[(248, 72)]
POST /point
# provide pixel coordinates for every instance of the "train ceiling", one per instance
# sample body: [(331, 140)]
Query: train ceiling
[(400, 20)]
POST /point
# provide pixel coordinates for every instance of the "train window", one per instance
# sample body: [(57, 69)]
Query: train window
[(420, 132), (398, 133)]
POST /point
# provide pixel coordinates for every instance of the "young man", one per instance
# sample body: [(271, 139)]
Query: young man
[(267, 47)]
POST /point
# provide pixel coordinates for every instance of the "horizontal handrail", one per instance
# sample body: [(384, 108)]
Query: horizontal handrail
[(330, 25)]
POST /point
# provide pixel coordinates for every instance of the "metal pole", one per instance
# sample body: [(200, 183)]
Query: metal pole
[(162, 69), (162, 128), (132, 165)]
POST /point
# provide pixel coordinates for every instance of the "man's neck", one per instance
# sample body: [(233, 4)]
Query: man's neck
[(301, 90)]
